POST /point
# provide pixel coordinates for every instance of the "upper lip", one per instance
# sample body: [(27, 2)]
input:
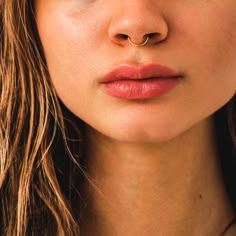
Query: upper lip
[(138, 72)]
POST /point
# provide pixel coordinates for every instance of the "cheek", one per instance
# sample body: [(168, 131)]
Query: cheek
[(209, 30), (71, 38), (65, 45), (206, 42)]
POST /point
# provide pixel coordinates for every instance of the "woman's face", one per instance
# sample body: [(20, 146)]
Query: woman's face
[(83, 40)]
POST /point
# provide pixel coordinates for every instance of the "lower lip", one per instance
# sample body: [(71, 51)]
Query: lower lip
[(140, 89)]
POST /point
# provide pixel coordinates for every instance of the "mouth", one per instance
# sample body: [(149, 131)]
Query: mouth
[(140, 82)]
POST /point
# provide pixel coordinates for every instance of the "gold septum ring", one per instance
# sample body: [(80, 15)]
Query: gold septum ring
[(144, 42)]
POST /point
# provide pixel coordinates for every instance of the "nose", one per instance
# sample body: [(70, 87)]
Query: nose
[(136, 21)]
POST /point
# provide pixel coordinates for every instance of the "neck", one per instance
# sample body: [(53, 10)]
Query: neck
[(167, 188)]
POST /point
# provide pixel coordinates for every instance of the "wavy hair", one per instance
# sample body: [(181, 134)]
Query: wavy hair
[(39, 180), (36, 187)]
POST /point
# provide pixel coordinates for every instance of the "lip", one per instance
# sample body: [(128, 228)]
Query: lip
[(140, 81)]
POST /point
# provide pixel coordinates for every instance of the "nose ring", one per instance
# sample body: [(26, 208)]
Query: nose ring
[(144, 42)]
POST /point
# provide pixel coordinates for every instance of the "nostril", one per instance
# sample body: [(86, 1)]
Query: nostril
[(152, 35), (122, 36), (156, 37)]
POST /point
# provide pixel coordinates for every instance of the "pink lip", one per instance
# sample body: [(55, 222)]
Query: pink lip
[(140, 81)]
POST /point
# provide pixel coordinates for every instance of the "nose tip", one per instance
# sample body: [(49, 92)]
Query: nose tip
[(138, 27)]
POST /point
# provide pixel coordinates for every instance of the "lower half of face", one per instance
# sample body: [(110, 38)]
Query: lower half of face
[(80, 50), (151, 120)]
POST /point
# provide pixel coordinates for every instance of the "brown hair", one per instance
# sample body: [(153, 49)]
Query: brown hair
[(32, 200), (38, 180)]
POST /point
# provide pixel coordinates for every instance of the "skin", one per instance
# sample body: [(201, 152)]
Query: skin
[(154, 161)]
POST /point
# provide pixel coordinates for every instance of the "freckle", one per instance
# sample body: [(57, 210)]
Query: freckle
[(200, 196)]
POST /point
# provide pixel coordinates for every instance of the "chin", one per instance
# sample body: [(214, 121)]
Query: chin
[(144, 134)]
